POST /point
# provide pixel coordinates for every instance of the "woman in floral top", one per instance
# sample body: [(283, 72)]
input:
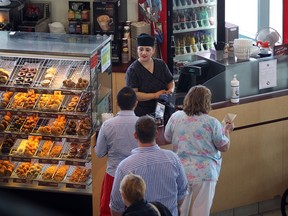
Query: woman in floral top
[(198, 139)]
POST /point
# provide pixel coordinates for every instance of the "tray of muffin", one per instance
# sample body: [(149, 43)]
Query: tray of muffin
[(23, 100), (7, 144), (77, 77), (27, 171), (79, 175), (78, 128), (5, 97), (6, 168), (50, 102), (76, 151), (6, 68), (26, 147), (77, 103), (54, 172)]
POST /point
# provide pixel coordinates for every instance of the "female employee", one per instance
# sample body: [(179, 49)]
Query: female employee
[(148, 76)]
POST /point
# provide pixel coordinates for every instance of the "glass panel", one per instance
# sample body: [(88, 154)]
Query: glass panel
[(242, 13), (276, 15)]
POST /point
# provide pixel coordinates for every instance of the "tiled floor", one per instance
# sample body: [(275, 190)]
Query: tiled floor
[(271, 213), (264, 208)]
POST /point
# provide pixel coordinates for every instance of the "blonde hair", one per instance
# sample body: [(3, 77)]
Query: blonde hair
[(197, 100), (133, 187)]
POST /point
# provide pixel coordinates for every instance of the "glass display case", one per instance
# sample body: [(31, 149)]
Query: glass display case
[(53, 89)]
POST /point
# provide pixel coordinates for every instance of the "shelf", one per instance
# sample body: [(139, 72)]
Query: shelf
[(193, 6), (52, 96), (186, 30)]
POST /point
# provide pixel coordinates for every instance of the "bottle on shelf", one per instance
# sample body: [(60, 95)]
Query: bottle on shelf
[(188, 19), (177, 3), (198, 42), (182, 21), (205, 17), (194, 18), (194, 2), (177, 48), (187, 44), (183, 2), (199, 17), (193, 44), (125, 51), (211, 15), (188, 2), (204, 41), (173, 46), (182, 46)]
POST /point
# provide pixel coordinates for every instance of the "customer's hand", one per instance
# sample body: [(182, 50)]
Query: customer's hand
[(157, 94), (228, 127)]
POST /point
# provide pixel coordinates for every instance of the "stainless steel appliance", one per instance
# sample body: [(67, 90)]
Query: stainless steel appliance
[(11, 14)]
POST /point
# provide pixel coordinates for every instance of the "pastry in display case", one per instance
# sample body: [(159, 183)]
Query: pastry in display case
[(53, 90)]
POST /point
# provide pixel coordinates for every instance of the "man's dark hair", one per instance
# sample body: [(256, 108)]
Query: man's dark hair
[(146, 129), (126, 98)]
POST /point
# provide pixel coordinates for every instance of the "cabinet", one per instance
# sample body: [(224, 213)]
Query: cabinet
[(53, 89), (194, 26)]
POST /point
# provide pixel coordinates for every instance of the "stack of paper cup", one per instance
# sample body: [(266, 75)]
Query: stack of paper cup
[(242, 48)]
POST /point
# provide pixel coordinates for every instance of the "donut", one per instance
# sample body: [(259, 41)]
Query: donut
[(56, 131), (2, 127), (69, 109), (45, 83), (7, 118), (28, 80), (46, 130), (18, 82), (51, 70), (21, 73), (80, 109), (33, 70), (48, 76), (85, 81), (71, 131), (75, 99), (30, 75), (72, 104), (72, 124), (26, 84), (3, 79), (24, 70), (19, 78)]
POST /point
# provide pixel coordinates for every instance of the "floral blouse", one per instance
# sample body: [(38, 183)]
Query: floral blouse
[(195, 140)]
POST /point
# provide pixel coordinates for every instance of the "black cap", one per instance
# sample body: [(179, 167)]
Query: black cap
[(145, 40)]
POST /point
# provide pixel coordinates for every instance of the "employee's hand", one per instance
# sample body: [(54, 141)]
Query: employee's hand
[(157, 94), (169, 91)]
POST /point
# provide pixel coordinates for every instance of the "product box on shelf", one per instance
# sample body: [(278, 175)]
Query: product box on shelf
[(79, 17)]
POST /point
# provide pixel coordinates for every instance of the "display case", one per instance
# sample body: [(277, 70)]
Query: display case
[(53, 89)]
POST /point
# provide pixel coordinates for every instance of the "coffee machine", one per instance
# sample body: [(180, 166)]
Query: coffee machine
[(11, 13)]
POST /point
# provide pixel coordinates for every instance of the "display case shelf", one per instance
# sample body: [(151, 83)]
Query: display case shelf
[(64, 110)]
